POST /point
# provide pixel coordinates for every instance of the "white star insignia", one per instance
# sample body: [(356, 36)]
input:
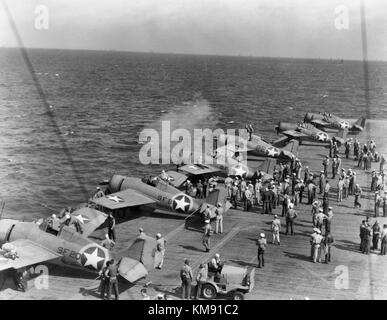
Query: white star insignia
[(92, 259), (181, 204), (239, 171), (321, 136), (115, 198), (193, 167), (344, 124), (81, 218), (272, 152)]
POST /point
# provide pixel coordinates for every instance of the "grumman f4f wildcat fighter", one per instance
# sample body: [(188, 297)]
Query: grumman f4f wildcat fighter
[(35, 244), (308, 132), (328, 120)]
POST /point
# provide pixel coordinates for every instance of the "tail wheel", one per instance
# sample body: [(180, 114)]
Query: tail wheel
[(209, 291), (237, 295)]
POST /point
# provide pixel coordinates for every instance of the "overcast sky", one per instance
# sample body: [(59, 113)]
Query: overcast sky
[(274, 28)]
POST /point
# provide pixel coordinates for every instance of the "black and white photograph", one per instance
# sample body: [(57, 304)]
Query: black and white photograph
[(201, 150)]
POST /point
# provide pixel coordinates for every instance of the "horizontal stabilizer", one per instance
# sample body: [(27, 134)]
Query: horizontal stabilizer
[(131, 269)]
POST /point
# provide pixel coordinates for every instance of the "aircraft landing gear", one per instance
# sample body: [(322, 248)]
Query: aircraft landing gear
[(20, 278)]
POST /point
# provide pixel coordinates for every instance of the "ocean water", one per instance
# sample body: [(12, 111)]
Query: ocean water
[(102, 100)]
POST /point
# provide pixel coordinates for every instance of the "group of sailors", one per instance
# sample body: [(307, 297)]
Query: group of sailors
[(55, 223)]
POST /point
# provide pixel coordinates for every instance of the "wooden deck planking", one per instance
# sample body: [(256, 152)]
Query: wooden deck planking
[(288, 272)]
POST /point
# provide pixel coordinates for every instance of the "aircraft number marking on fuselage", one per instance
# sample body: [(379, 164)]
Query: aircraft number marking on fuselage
[(71, 253), (162, 198)]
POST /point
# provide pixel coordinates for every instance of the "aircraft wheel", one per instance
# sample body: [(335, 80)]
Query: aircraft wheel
[(237, 295), (209, 291)]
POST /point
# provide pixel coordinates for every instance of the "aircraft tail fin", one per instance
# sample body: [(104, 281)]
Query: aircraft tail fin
[(359, 124), (138, 259), (219, 195), (292, 146), (267, 165)]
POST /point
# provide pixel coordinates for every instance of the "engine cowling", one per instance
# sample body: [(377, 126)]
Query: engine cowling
[(284, 126)]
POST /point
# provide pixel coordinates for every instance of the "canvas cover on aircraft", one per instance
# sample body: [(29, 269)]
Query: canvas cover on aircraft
[(29, 253), (198, 169), (123, 199)]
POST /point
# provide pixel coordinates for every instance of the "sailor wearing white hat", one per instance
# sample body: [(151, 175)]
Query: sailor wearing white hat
[(261, 243), (207, 234)]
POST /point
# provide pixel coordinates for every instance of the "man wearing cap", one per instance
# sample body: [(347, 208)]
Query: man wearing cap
[(320, 217), (347, 149), (111, 274), (248, 198), (201, 278), (215, 266), (363, 226), (383, 240), (338, 164), (99, 193), (141, 233), (311, 240), (325, 164), (276, 229), (358, 192), (367, 237), (306, 174), (111, 222), (107, 242), (186, 277), (326, 189), (290, 217), (374, 180), (315, 210), (340, 187), (234, 195), (160, 251), (258, 187), (207, 213), (311, 191), (219, 218), (297, 189), (206, 235), (261, 243), (54, 225), (328, 220), (316, 243), (267, 198), (334, 167), (375, 235), (327, 242)]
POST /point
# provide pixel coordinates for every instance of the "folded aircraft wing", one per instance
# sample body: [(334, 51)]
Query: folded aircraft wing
[(29, 253), (319, 122), (198, 169), (123, 199), (89, 218), (294, 134), (177, 178)]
